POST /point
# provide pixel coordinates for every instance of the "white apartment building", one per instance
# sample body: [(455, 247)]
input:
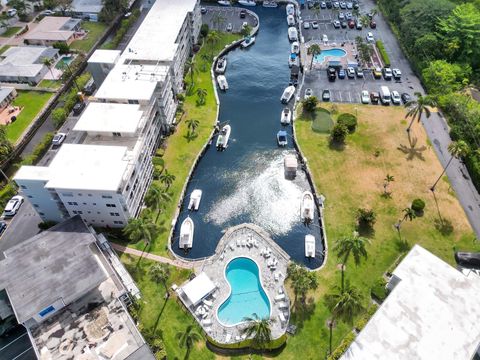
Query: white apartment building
[(104, 174)]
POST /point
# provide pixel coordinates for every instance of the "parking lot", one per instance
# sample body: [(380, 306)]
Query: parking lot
[(219, 18)]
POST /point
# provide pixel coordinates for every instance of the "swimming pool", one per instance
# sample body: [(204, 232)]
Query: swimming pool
[(65, 60), (320, 58), (247, 295)]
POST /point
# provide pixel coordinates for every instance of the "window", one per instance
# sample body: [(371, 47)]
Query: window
[(41, 214), (72, 203), (23, 186), (94, 204), (35, 205), (114, 214), (79, 194), (84, 203), (98, 212), (106, 196), (116, 134), (89, 194), (118, 222), (30, 196), (77, 212), (111, 205), (67, 194)]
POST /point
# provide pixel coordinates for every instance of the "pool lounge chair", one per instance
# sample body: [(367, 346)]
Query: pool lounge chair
[(283, 305), (281, 317), (208, 303), (279, 297), (228, 337), (207, 322), (238, 242)]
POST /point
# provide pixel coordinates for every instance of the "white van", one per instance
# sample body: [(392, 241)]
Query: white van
[(385, 96), (12, 12)]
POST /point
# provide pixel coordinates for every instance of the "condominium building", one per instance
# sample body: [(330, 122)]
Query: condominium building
[(105, 168)]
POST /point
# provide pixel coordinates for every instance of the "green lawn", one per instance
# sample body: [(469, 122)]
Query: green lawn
[(95, 30), (53, 84), (4, 48), (12, 30), (32, 102)]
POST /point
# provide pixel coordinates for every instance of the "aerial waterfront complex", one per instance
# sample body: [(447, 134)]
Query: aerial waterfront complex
[(240, 179)]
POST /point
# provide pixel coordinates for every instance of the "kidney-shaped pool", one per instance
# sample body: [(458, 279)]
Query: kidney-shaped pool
[(247, 295)]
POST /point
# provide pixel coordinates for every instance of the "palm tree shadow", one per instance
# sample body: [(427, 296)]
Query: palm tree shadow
[(160, 314), (302, 311), (147, 245), (190, 136), (335, 145), (402, 245), (412, 151), (440, 218)]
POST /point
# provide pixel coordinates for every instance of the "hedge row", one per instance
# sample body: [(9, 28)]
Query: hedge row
[(39, 150), (122, 30), (5, 194), (379, 290), (383, 53), (362, 321), (344, 345)]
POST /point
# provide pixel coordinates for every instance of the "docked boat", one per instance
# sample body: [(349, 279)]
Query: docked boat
[(287, 94), (286, 116), (290, 9), (295, 48), (247, 2), (309, 246), (222, 140), (270, 4), (293, 60), (290, 165), (186, 234), (248, 41), (292, 33), (224, 2), (307, 206), (290, 20), (282, 138), (221, 66), (195, 198), (222, 82)]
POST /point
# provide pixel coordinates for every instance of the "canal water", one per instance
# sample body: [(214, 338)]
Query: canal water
[(246, 183)]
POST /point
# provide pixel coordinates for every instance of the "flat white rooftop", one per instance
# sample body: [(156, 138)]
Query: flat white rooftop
[(109, 118), (104, 56), (432, 313)]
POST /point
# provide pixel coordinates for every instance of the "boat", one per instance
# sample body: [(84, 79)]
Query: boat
[(290, 165), (186, 234), (222, 82), (309, 246), (292, 33), (249, 40), (247, 2), (290, 9), (224, 2), (195, 198), (295, 48), (222, 140), (287, 94), (291, 20), (293, 60), (307, 206), (286, 116), (282, 138), (270, 4), (221, 66)]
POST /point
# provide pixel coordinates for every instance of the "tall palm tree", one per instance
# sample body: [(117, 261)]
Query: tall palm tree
[(202, 93), (188, 338), (416, 108), (160, 273), (259, 330), (141, 228), (156, 197), (302, 281), (355, 245), (314, 50), (457, 149), (49, 64), (212, 39), (192, 125), (190, 68), (167, 179), (408, 214), (386, 182), (344, 305)]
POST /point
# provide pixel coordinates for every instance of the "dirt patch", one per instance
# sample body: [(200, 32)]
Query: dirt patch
[(8, 112)]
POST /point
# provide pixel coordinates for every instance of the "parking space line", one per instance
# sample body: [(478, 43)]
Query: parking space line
[(16, 357), (349, 97), (340, 95), (11, 342)]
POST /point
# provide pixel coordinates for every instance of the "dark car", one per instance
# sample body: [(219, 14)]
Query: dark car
[(332, 74), (373, 24), (351, 24), (406, 98), (326, 95), (329, 5), (343, 24), (374, 97), (243, 13), (309, 4), (78, 108), (89, 89), (3, 226), (203, 10), (355, 5), (341, 74)]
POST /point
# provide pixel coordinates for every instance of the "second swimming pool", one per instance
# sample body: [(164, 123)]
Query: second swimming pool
[(320, 58)]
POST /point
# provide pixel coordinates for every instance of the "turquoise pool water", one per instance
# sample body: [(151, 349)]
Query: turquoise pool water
[(64, 60), (320, 58), (247, 296)]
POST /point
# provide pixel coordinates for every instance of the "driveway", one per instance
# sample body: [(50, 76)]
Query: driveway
[(218, 18)]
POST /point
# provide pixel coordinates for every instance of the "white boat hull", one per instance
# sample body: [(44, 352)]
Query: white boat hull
[(195, 198), (295, 48), (224, 3), (270, 4), (186, 234), (244, 44), (286, 117), (290, 9), (247, 2), (221, 66), (292, 34), (291, 20), (223, 137), (309, 246), (307, 209), (222, 82), (287, 94)]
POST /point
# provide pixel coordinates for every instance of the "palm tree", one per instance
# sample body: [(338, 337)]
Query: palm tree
[(259, 330), (302, 281), (206, 59), (188, 338), (212, 39), (408, 214), (191, 69), (160, 273), (49, 64), (347, 245), (167, 179), (373, 12), (201, 93), (386, 182), (156, 197), (314, 50), (141, 228), (416, 108), (457, 149), (365, 20), (192, 125), (344, 305)]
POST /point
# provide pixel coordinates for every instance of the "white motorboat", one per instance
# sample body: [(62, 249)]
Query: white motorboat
[(309, 246), (224, 2), (290, 9), (222, 140), (307, 206), (186, 234), (290, 20), (290, 165), (286, 116), (287, 94), (248, 41), (282, 138), (195, 198), (221, 66), (293, 60), (270, 4), (295, 48), (292, 33), (222, 82), (247, 2)]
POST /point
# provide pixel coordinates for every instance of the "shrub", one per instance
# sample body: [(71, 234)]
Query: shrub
[(59, 116), (379, 290), (339, 133), (418, 205), (62, 47), (39, 150), (383, 53), (45, 225), (349, 120), (310, 104), (204, 29), (344, 345), (366, 217), (366, 316), (6, 193)]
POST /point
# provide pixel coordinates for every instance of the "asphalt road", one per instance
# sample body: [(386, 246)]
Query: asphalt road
[(218, 18)]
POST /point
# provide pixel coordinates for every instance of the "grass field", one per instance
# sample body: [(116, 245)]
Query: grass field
[(12, 30), (95, 30), (53, 84), (4, 48), (322, 121), (31, 102)]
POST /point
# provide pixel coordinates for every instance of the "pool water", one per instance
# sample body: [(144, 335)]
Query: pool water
[(320, 58), (65, 60), (247, 295)]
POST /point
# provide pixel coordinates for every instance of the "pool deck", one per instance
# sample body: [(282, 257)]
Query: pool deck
[(246, 240), (348, 46)]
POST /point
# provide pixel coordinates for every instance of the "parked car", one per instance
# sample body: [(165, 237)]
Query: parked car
[(365, 97), (343, 5), (3, 226), (51, 12), (332, 74), (341, 74), (350, 72), (306, 25), (373, 24), (397, 74), (395, 97), (308, 93), (243, 13), (374, 97), (323, 5), (351, 23), (78, 108), (326, 95), (89, 88), (314, 24), (329, 5), (13, 205), (310, 4), (325, 38), (244, 24), (358, 25), (58, 139), (229, 27), (11, 12), (387, 73), (203, 10), (359, 72), (349, 5), (377, 73), (355, 5), (343, 24), (370, 37), (336, 24), (336, 4), (406, 98), (341, 16)]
